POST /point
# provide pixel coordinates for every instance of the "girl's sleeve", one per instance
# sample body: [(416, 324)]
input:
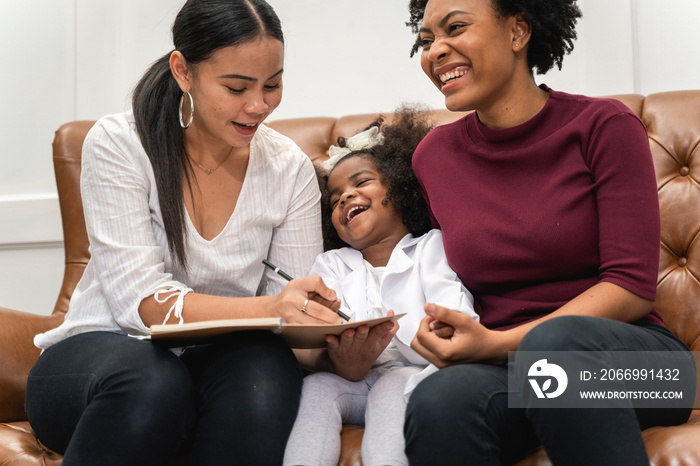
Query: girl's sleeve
[(440, 283), (441, 286), (628, 205), (327, 266), (128, 262)]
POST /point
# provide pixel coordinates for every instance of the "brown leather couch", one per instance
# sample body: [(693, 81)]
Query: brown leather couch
[(673, 123)]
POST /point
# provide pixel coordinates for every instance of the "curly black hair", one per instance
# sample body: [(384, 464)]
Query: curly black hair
[(553, 25), (393, 161)]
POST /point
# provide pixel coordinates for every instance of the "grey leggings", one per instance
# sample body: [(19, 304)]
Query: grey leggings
[(328, 401)]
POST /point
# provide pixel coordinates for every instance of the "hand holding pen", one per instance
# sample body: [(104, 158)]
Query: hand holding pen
[(287, 277)]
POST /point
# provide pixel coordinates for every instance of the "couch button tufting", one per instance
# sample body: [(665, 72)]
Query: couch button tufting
[(685, 171), (682, 262)]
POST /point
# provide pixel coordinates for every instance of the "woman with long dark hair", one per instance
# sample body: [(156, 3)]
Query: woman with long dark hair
[(184, 197)]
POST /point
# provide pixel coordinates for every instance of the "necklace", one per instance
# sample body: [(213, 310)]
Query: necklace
[(209, 171)]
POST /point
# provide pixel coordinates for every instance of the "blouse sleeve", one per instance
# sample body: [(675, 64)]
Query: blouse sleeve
[(440, 283), (117, 201), (297, 240), (628, 206)]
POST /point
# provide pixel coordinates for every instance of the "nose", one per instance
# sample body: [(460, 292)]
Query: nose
[(256, 104), (438, 50), (346, 196)]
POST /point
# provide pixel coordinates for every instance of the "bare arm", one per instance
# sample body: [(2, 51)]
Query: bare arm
[(287, 304)]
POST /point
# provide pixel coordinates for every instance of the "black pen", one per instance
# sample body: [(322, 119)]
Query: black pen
[(277, 270), (286, 276)]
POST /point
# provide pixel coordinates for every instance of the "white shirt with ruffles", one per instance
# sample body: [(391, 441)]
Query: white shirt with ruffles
[(277, 217)]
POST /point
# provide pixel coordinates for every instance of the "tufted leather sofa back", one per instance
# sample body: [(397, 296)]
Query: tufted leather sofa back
[(673, 124)]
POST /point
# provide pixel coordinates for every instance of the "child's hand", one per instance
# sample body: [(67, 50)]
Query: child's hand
[(353, 354)]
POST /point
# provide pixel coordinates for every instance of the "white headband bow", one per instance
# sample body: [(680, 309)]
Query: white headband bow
[(361, 141)]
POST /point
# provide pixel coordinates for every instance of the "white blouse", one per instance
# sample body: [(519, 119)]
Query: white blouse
[(277, 217)]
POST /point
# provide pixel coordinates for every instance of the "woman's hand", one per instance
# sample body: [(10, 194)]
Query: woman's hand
[(307, 301), (446, 337), (441, 329), (472, 342), (353, 354)]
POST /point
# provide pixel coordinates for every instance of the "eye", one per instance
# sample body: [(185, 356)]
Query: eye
[(272, 87), (454, 27), (425, 41), (334, 202), (235, 91)]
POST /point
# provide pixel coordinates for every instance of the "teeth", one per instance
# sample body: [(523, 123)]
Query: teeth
[(451, 75), (350, 215)]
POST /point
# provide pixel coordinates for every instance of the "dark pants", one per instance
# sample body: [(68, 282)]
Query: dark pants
[(460, 415), (103, 398)]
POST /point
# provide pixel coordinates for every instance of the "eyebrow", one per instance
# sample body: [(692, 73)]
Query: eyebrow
[(248, 78), (352, 177), (444, 20)]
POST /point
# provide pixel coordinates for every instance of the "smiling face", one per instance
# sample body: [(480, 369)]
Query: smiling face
[(468, 52), (235, 90), (359, 214)]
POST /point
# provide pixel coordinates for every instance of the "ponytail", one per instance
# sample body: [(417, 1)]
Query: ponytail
[(155, 104)]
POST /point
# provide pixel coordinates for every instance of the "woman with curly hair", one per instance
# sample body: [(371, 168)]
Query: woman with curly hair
[(392, 261), (548, 207)]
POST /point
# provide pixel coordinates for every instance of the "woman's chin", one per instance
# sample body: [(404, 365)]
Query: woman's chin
[(454, 104)]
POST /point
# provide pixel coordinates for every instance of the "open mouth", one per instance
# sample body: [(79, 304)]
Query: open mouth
[(451, 75), (354, 212), (246, 125)]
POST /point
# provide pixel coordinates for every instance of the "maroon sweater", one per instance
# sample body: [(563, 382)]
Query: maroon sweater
[(532, 216)]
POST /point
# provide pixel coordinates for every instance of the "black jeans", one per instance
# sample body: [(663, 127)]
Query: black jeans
[(103, 398), (460, 415)]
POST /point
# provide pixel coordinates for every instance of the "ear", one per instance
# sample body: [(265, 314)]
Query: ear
[(521, 30), (180, 71)]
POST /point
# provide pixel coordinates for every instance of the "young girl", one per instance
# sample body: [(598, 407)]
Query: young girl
[(391, 261)]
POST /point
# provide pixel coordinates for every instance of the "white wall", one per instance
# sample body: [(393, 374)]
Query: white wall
[(78, 59)]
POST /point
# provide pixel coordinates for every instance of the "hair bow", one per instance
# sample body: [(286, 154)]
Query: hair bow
[(361, 141)]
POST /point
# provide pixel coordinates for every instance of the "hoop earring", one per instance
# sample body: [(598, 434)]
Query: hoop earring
[(182, 101)]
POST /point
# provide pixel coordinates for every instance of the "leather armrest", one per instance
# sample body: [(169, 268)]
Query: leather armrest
[(18, 356)]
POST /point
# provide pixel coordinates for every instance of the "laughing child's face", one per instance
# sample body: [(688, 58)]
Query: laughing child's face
[(360, 214)]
